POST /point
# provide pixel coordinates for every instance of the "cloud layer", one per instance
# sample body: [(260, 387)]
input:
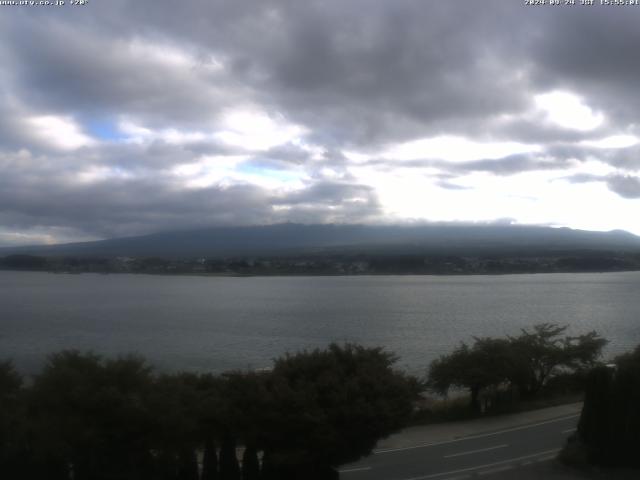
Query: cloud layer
[(123, 118)]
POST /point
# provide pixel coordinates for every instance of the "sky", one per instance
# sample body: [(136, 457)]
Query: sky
[(121, 118)]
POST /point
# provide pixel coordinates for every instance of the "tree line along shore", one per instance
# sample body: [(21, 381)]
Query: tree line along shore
[(342, 264)]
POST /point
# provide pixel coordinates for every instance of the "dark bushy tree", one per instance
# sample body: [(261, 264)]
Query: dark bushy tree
[(210, 460), (229, 467), (90, 418), (329, 407), (609, 426), (12, 422), (187, 464), (542, 352), (89, 413), (525, 362), (173, 406), (594, 425), (241, 419), (488, 362), (250, 463)]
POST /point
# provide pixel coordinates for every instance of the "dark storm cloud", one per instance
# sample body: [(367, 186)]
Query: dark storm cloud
[(11, 135), (584, 178), (356, 72), (156, 155), (332, 193), (509, 165), (356, 75), (127, 207), (596, 56), (49, 191), (72, 70), (624, 185), (46, 197), (281, 157), (368, 73), (332, 201), (625, 158)]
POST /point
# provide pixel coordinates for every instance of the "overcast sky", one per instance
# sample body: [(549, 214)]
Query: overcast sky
[(128, 117)]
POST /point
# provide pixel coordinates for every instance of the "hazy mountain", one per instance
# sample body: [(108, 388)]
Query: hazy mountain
[(285, 239)]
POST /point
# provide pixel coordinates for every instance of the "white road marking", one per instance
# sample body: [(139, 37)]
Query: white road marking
[(496, 470), (358, 469), (569, 430), (545, 459), (472, 437), (470, 452), (486, 465)]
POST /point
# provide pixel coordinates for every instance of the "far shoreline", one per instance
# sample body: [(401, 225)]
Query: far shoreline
[(308, 274)]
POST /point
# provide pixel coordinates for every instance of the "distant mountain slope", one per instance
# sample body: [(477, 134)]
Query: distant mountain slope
[(285, 239)]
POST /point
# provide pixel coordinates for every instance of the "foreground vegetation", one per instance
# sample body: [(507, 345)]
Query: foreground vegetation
[(609, 429), (540, 366), (499, 371), (85, 417)]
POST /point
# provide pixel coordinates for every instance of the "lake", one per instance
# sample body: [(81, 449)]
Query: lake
[(221, 323)]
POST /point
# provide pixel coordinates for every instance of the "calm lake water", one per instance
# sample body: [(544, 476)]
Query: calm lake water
[(221, 323)]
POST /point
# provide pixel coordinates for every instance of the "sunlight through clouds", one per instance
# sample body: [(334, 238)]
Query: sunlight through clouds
[(255, 130), (568, 111), (456, 149), (229, 169), (59, 132), (614, 141), (135, 133)]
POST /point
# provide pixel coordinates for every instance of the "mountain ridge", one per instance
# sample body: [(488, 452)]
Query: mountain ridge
[(317, 239)]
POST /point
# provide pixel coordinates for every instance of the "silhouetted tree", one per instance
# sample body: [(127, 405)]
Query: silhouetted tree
[(543, 351), (90, 414), (329, 407), (174, 406), (527, 361), (594, 425), (250, 463), (609, 426), (229, 467), (210, 461), (90, 418), (488, 362), (187, 464), (13, 451)]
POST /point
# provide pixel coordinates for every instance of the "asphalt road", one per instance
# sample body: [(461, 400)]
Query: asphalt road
[(474, 456)]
